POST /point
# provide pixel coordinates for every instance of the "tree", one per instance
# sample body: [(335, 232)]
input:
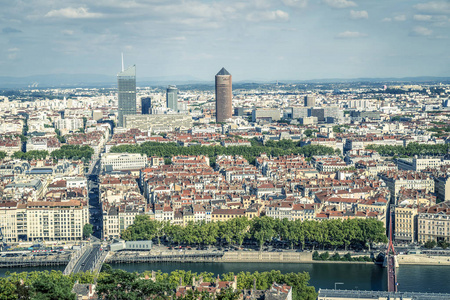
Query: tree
[(443, 244), (7, 289), (308, 132), (121, 285), (262, 230), (47, 287), (87, 230), (3, 154), (430, 244), (228, 294)]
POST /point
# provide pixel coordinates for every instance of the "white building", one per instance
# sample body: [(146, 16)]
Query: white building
[(123, 161)]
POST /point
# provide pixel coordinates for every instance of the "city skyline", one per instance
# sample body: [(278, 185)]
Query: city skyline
[(294, 39)]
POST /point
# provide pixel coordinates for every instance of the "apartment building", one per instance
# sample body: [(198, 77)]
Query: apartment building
[(420, 163), (43, 220), (395, 181), (434, 223), (118, 218), (442, 187), (405, 224)]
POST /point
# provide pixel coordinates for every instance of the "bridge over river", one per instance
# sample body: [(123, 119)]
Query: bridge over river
[(89, 258)]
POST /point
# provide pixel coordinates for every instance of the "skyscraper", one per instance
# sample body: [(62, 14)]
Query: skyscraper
[(310, 101), (172, 97), (223, 96), (126, 83), (146, 105)]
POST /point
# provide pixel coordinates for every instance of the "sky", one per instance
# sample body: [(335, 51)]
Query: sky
[(253, 39)]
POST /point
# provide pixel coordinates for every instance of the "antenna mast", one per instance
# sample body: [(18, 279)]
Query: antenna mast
[(123, 69)]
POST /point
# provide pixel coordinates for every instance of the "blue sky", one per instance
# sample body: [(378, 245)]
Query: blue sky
[(252, 39)]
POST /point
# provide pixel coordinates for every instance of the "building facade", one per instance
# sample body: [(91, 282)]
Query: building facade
[(223, 96), (434, 223), (159, 123), (123, 161), (405, 223), (43, 220), (442, 186), (172, 98), (146, 105), (310, 101), (126, 83)]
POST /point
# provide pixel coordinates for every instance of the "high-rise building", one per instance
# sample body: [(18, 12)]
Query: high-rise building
[(223, 96), (172, 98), (310, 101), (146, 105), (126, 83)]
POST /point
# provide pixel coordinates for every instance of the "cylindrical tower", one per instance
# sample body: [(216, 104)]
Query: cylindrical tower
[(224, 109)]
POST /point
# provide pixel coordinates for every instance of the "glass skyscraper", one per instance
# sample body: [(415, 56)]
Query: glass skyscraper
[(146, 105), (126, 83), (172, 98)]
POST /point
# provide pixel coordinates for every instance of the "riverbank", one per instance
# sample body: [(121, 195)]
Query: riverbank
[(423, 259), (219, 257)]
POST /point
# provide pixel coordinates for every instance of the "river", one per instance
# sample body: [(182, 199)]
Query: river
[(412, 278)]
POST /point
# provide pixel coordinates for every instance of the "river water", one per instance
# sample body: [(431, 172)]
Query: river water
[(323, 275)]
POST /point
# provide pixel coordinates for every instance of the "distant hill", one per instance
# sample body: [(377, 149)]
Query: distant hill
[(110, 81)]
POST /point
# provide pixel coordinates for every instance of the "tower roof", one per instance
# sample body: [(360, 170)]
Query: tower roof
[(131, 71), (223, 71)]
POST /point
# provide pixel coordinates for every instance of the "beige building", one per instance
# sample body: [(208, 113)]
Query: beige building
[(116, 220), (405, 223), (42, 220), (158, 123), (60, 221), (8, 221), (395, 181), (434, 223)]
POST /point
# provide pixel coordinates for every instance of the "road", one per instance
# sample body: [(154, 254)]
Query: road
[(95, 209), (87, 261)]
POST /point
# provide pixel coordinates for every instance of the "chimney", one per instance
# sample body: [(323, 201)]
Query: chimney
[(254, 284), (217, 280)]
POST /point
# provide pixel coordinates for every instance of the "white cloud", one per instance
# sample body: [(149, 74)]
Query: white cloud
[(439, 20), (67, 32), (359, 14), (425, 18), (434, 7), (350, 35), (400, 18), (421, 31), (72, 13), (386, 20), (340, 3), (13, 53), (276, 15), (296, 3)]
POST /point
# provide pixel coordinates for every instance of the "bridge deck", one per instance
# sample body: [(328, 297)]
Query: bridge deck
[(392, 274)]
